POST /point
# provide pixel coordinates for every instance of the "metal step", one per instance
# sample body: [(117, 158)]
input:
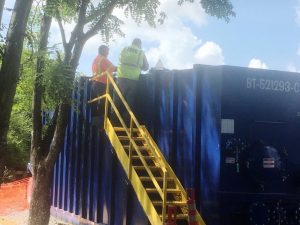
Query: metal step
[(177, 203), (144, 157), (157, 178), (143, 168), (126, 138), (179, 216), (139, 147), (154, 190), (120, 129)]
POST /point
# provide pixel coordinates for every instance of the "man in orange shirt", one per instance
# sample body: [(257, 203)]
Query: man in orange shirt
[(101, 66)]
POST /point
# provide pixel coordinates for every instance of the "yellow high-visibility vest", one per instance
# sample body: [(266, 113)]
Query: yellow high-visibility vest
[(131, 62)]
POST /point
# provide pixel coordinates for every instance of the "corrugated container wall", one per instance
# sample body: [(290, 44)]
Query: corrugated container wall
[(231, 133)]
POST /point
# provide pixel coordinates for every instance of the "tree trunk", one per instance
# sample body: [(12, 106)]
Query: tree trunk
[(41, 196), (47, 155), (36, 139), (2, 2), (10, 68), (39, 213), (40, 206)]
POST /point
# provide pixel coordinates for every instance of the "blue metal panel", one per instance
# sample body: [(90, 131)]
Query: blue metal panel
[(72, 155), (135, 213), (60, 181), (119, 195), (88, 152), (163, 110), (185, 115), (143, 107), (209, 119), (75, 149), (54, 186), (106, 181), (95, 138), (65, 171), (79, 152)]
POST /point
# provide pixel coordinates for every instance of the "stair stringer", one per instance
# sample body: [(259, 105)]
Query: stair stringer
[(135, 181), (199, 218)]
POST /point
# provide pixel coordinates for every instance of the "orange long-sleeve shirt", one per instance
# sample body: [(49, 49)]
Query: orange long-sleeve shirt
[(100, 65)]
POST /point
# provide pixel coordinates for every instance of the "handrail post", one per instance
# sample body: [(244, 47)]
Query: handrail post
[(106, 102), (130, 149), (164, 201)]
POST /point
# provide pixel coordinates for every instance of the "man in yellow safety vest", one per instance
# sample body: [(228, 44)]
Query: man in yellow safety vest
[(131, 62)]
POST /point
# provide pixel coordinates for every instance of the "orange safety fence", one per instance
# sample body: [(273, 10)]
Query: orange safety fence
[(15, 196)]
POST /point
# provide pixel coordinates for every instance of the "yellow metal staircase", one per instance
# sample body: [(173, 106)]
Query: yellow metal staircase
[(151, 177)]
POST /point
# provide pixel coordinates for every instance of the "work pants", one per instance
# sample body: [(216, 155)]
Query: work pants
[(128, 89), (98, 89)]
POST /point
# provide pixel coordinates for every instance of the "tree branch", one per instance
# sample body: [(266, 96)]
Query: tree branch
[(94, 30), (95, 14), (77, 52), (59, 135), (80, 23), (49, 133), (1, 11), (61, 28)]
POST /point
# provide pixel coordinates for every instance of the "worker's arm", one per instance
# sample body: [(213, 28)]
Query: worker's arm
[(110, 67), (145, 63)]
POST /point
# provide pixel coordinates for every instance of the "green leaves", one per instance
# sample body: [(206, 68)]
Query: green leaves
[(58, 82), (67, 9), (111, 27), (142, 10), (21, 122), (222, 9), (139, 10)]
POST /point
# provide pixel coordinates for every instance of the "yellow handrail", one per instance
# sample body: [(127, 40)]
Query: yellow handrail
[(169, 169), (132, 117), (133, 123), (136, 148)]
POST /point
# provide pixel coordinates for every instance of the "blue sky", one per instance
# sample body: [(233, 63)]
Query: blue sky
[(264, 34), (267, 30)]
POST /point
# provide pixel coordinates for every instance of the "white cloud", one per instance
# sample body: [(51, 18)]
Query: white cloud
[(192, 12), (173, 42), (257, 63), (210, 53), (292, 68)]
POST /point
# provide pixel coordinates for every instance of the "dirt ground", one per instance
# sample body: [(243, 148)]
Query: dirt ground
[(21, 218), (14, 198)]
